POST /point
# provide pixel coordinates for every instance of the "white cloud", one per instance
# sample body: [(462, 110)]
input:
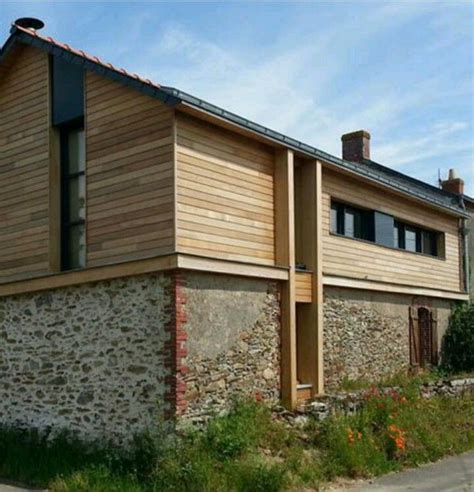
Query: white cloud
[(323, 84)]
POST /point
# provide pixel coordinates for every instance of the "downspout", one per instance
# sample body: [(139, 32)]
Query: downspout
[(464, 236)]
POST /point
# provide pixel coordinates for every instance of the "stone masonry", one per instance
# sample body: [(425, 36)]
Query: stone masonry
[(366, 334), (233, 342), (89, 358)]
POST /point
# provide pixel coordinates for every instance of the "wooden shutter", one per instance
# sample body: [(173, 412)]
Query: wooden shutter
[(434, 336), (414, 338)]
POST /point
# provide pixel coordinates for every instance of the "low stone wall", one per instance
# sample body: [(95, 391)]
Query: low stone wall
[(91, 359), (232, 342), (349, 402), (366, 334)]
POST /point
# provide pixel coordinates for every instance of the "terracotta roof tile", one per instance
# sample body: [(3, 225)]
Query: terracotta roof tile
[(86, 56)]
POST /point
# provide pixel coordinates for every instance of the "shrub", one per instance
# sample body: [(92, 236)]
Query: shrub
[(458, 342), (239, 431)]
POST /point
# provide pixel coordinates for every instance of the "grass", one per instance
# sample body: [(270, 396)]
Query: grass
[(249, 450)]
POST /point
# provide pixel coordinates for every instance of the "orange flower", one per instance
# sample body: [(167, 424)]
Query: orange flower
[(398, 436), (350, 436)]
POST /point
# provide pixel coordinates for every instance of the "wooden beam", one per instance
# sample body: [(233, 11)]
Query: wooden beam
[(96, 274), (351, 283), (309, 252), (318, 279), (285, 257), (199, 263), (138, 267)]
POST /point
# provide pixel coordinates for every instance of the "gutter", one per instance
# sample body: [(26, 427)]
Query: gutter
[(465, 242)]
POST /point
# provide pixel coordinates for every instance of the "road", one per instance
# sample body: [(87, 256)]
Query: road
[(453, 474)]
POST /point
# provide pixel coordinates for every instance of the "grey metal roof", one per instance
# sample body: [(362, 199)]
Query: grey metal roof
[(368, 169)]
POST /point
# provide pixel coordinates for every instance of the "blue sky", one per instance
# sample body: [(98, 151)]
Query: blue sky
[(312, 70)]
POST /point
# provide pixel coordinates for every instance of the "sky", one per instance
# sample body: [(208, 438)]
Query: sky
[(312, 70)]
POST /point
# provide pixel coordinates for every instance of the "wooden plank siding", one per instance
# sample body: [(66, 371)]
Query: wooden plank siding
[(303, 284), (24, 162), (130, 173), (225, 194), (351, 258)]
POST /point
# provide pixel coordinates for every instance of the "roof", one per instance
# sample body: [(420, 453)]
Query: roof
[(369, 170)]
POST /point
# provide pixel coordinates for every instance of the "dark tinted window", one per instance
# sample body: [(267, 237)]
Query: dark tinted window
[(411, 239), (73, 193), (382, 229), (351, 221)]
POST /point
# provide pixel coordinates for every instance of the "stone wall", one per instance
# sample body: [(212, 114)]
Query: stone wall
[(89, 358), (350, 402), (366, 334), (233, 342)]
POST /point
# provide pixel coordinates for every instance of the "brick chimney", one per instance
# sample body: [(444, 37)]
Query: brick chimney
[(356, 146), (454, 184)]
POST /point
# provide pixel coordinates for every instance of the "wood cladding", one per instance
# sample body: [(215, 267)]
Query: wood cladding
[(130, 173), (350, 258), (304, 286), (225, 194), (24, 161)]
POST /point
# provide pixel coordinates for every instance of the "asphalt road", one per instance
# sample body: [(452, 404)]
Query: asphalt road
[(453, 474)]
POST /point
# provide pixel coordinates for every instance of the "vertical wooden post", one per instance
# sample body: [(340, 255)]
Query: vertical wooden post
[(285, 256), (309, 252), (318, 294)]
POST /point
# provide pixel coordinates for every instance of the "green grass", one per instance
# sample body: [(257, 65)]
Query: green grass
[(248, 450)]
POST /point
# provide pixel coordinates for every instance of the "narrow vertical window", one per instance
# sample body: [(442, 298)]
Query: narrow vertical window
[(73, 198), (337, 218), (411, 239), (67, 119)]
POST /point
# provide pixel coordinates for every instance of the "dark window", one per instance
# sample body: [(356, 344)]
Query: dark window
[(351, 221), (415, 239), (412, 242), (337, 218), (73, 198), (67, 116), (398, 235), (429, 243), (383, 229)]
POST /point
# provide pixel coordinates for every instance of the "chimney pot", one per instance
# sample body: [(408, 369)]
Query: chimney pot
[(356, 146), (454, 184), (30, 23)]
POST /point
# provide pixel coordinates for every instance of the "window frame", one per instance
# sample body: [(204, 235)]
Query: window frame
[(363, 230), (437, 241), (65, 179)]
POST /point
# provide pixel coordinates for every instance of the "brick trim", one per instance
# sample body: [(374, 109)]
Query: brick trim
[(175, 347)]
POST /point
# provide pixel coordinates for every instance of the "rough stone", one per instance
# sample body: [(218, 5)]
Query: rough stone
[(75, 367), (233, 342), (366, 334)]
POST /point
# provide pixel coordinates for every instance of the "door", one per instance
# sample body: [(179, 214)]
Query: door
[(423, 337)]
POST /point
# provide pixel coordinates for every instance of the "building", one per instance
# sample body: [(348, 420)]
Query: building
[(159, 254)]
